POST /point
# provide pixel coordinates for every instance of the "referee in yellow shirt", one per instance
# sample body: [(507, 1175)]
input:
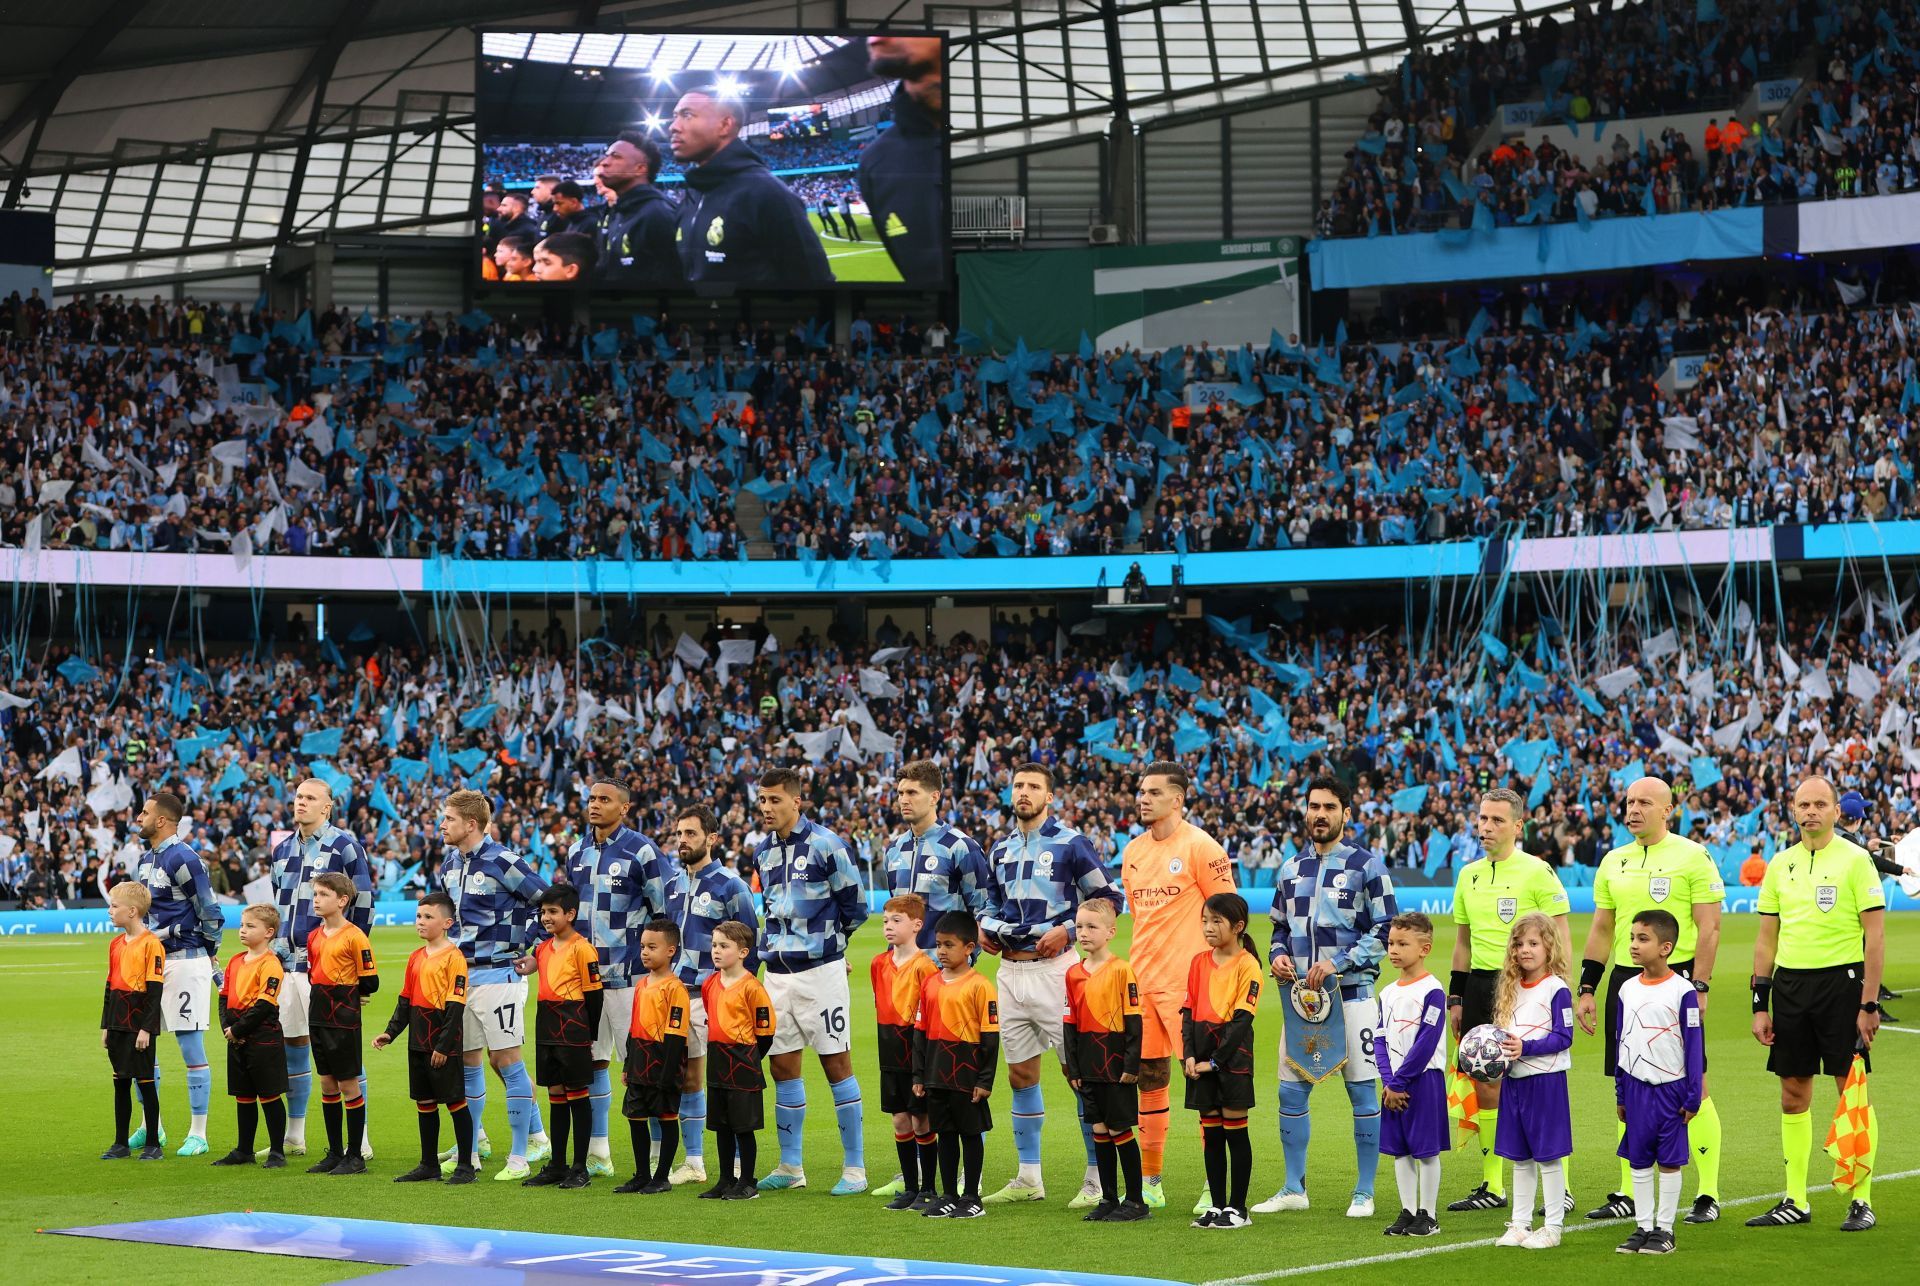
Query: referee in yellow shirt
[(1488, 897), (1816, 984)]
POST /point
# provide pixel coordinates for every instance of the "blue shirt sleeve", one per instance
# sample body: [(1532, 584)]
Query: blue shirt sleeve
[(976, 881), (740, 907), (190, 876), (360, 871), (1280, 944), (1090, 874), (1370, 948), (850, 903)]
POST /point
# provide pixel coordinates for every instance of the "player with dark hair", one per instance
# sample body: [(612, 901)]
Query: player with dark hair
[(738, 223), (1332, 908), (513, 220), (814, 903), (569, 212), (636, 229), (903, 172), (940, 862), (188, 923), (565, 256)]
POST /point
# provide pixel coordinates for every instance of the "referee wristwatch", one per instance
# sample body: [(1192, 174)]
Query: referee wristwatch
[(1870, 1007), (1700, 986)]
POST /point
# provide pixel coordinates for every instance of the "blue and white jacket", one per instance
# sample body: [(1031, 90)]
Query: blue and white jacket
[(1039, 880), (623, 883), (946, 867), (497, 896), (814, 898), (1336, 908), (184, 917), (295, 863)]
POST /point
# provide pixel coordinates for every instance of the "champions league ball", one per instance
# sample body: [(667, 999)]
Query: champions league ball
[(1480, 1055)]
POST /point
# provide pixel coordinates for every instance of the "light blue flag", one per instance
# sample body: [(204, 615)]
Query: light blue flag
[(1625, 777), (1541, 786), (1188, 740), (1495, 648), (232, 779), (324, 744), (76, 671), (1183, 678), (337, 782), (1112, 753), (381, 802), (468, 761), (479, 717), (1705, 772), (1409, 800), (1102, 731), (408, 770)]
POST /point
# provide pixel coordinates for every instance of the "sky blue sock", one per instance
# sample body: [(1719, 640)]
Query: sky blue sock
[(299, 1081), (476, 1087), (847, 1113), (193, 1048), (790, 1117), (1029, 1118), (1296, 1128), (1086, 1133), (602, 1100), (1365, 1098), (693, 1124), (520, 1112)]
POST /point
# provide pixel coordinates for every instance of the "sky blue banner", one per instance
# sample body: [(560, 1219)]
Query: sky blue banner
[(1605, 245), (542, 1255), (955, 575), (1870, 540)]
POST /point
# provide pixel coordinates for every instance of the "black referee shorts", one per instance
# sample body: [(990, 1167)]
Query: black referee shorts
[(1609, 1044), (1476, 999), (1815, 1023)]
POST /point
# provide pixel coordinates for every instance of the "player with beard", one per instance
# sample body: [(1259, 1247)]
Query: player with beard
[(903, 172)]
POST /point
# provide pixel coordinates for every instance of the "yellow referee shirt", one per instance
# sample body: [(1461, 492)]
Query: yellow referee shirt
[(1489, 896), (1819, 897), (1673, 875)]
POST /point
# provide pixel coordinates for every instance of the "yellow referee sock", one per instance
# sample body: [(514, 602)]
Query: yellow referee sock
[(1796, 1142), (1703, 1133), (1490, 1168)]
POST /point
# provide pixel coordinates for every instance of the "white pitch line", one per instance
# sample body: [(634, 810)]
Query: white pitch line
[(1911, 1031), (1305, 1270)]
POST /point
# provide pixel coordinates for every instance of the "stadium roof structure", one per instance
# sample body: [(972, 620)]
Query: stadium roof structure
[(182, 137)]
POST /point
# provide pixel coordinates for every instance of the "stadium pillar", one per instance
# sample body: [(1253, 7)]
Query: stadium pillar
[(1121, 198)]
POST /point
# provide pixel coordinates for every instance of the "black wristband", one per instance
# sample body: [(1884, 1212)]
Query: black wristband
[(1457, 986), (1591, 972), (1762, 993)]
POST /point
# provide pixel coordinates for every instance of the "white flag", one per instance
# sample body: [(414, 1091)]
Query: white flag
[(320, 433), (887, 654), (52, 493), (1862, 682), (771, 647), (849, 748), (734, 653), (110, 796), (299, 475), (690, 652), (1727, 736), (664, 700), (65, 767), (167, 473), (242, 551), (964, 696), (232, 453), (1615, 682), (10, 702), (614, 710), (1682, 433), (875, 742), (1700, 684), (1657, 501), (1814, 683), (1662, 644), (1674, 748), (1789, 668), (818, 745), (874, 683)]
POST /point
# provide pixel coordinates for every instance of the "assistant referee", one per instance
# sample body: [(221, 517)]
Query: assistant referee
[(1815, 986), (1658, 871), (1488, 898)]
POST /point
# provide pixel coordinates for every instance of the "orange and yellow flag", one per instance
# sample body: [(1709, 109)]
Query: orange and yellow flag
[(1463, 1105), (1850, 1138)]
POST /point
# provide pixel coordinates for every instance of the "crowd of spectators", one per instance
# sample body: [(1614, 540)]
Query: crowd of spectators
[(480, 439), (1414, 169), (1728, 705)]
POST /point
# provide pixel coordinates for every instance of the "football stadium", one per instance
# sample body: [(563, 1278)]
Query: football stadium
[(930, 615)]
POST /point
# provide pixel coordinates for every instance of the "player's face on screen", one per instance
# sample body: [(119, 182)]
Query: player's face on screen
[(542, 192), (1814, 808), (778, 810), (567, 206), (1031, 796), (700, 128), (621, 166), (548, 266), (914, 802), (1157, 798), (1326, 817), (902, 56), (1405, 948)]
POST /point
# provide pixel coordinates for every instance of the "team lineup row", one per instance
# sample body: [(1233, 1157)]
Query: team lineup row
[(1817, 971)]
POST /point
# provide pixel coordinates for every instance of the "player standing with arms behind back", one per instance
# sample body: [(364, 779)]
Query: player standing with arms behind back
[(1168, 873), (1658, 871), (1041, 873), (188, 924), (1489, 898), (1332, 907), (814, 903), (1816, 986), (495, 896)]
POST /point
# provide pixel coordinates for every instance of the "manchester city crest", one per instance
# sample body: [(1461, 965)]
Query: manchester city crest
[(1310, 1004)]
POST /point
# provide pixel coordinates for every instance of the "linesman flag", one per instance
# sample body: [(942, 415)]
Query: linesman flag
[(1463, 1106), (1851, 1138)]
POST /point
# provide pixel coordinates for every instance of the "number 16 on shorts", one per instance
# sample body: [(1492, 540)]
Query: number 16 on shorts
[(811, 1010)]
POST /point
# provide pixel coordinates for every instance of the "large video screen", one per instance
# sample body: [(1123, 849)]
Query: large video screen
[(693, 159)]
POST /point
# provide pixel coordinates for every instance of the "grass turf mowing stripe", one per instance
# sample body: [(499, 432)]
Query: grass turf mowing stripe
[(1304, 1270)]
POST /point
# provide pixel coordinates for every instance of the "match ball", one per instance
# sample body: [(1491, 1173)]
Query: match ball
[(1480, 1055)]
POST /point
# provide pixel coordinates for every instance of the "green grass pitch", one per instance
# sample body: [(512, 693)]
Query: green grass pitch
[(56, 1079), (862, 260)]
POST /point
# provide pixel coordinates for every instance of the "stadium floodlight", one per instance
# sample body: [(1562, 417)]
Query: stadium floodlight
[(789, 67), (653, 121), (728, 87), (660, 75)]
